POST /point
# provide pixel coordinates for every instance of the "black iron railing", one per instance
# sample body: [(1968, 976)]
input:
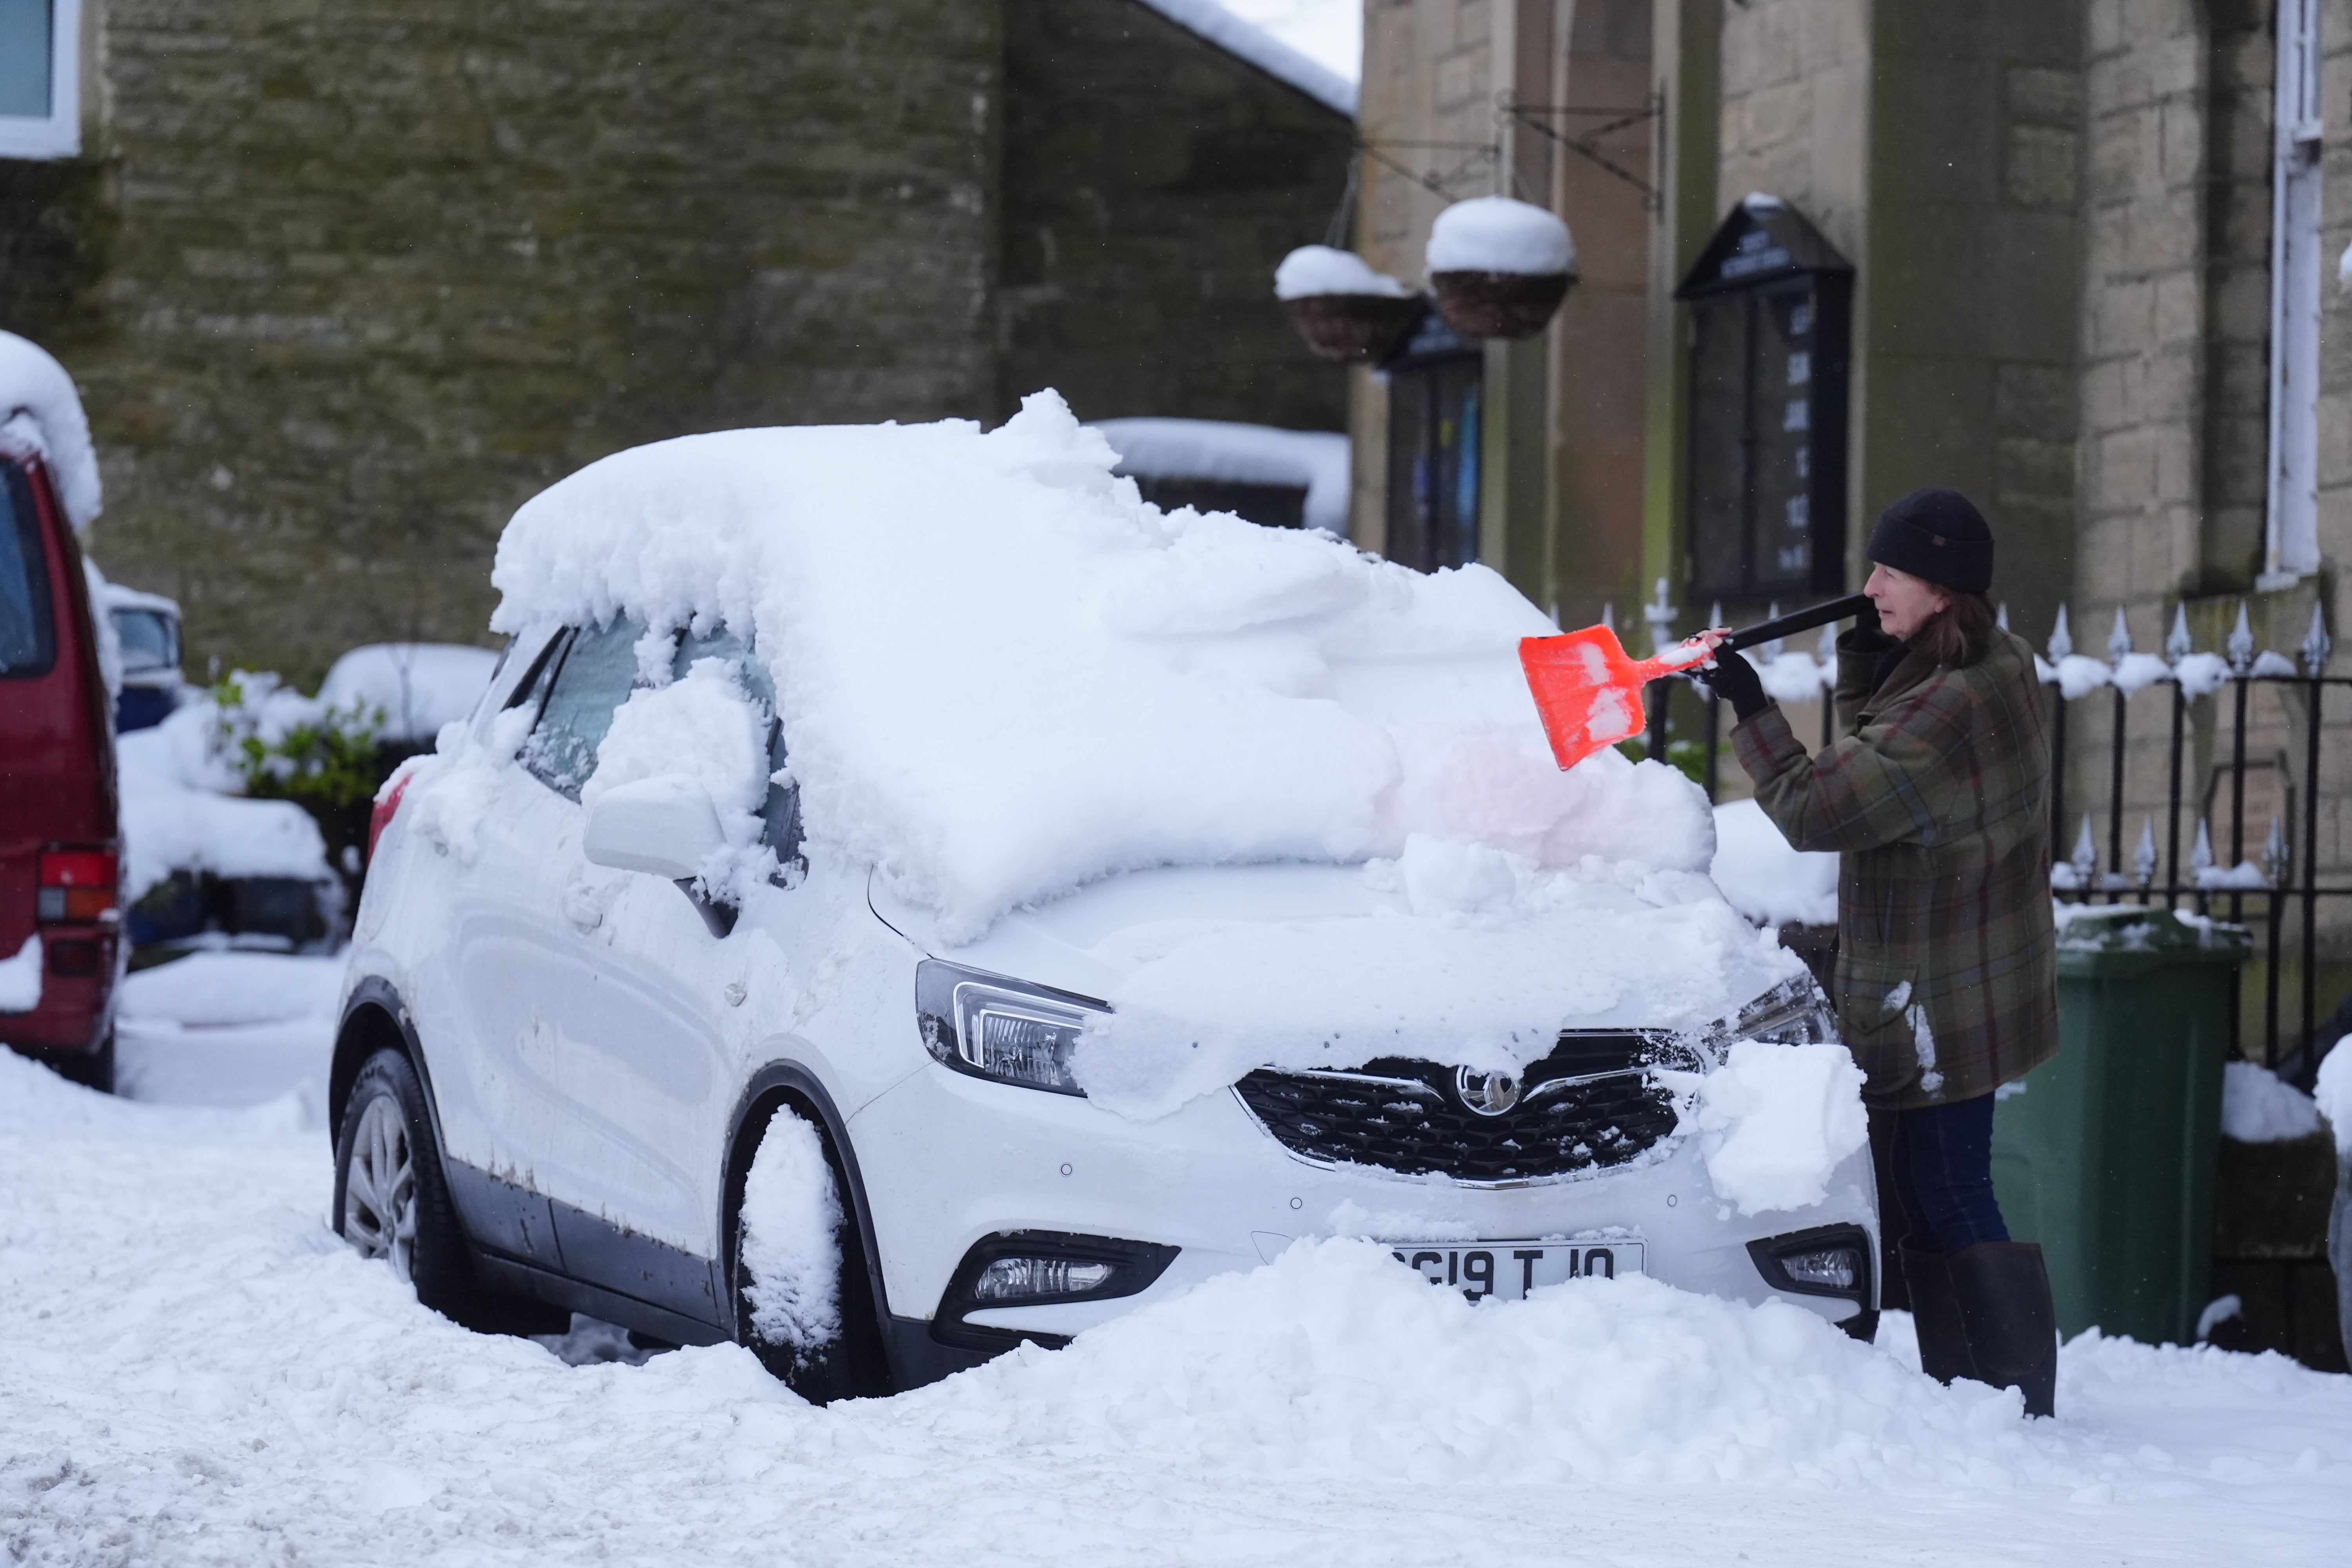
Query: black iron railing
[(2282, 880)]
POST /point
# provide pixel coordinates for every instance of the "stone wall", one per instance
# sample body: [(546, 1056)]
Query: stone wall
[(1152, 184), (377, 274), (344, 283)]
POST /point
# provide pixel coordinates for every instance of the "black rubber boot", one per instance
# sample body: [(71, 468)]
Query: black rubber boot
[(1935, 1313), (2003, 1292)]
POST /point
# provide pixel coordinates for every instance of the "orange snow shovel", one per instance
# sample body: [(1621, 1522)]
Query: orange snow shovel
[(1588, 692)]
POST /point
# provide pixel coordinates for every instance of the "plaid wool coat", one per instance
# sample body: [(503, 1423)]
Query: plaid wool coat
[(1936, 798)]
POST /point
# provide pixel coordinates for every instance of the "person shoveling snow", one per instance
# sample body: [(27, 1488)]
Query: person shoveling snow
[(1935, 796)]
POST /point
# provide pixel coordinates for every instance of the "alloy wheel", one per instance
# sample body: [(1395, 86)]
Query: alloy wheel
[(379, 1188)]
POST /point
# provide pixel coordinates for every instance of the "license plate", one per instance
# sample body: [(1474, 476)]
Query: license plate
[(1509, 1269)]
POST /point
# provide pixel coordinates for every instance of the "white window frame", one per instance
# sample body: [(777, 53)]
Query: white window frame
[(59, 134), (2292, 536)]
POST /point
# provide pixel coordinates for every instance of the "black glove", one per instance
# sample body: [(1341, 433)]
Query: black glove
[(1734, 680), (1865, 637)]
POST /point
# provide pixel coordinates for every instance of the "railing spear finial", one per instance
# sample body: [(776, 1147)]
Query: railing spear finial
[(2240, 645), (2000, 616), (2180, 644), (2086, 858), (2144, 858), (2061, 641), (2120, 638), (2201, 860), (2315, 643), (1660, 613)]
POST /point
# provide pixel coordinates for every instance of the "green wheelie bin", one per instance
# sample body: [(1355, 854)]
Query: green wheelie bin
[(2106, 1153)]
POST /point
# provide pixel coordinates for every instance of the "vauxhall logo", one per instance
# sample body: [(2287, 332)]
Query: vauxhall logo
[(1486, 1093)]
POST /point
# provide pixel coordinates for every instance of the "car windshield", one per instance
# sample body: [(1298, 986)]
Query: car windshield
[(27, 641), (150, 640)]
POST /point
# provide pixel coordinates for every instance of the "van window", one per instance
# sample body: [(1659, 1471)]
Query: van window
[(598, 670), (28, 644), (150, 638)]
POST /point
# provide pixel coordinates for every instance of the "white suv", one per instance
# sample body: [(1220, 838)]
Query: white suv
[(721, 978)]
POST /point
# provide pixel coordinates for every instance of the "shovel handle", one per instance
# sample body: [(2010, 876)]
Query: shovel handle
[(1798, 621)]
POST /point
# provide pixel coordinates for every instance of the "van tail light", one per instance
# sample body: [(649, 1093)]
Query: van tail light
[(387, 806), (77, 887)]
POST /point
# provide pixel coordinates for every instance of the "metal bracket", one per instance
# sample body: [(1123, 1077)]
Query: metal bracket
[(1535, 117)]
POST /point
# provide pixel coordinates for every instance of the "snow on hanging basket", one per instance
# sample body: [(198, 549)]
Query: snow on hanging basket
[(1499, 267), (1344, 309)]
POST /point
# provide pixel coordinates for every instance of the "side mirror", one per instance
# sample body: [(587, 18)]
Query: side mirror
[(665, 826)]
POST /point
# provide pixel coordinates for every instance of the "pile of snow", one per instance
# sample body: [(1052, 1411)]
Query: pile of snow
[(2258, 1107), (1774, 1121), (1245, 40), (1313, 269), (1763, 877), (792, 1246), (184, 810), (1222, 450), (2333, 1095), (1496, 234), (20, 977), (417, 687), (198, 1370), (226, 1029), (41, 415), (1003, 676)]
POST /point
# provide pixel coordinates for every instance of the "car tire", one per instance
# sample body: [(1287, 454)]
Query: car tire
[(92, 1069), (846, 1366), (390, 1199), (392, 1202)]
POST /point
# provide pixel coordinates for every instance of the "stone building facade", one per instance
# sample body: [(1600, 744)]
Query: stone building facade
[(2095, 249), (343, 285)]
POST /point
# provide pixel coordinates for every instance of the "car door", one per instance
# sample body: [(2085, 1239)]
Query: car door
[(597, 1026), (522, 1124), (653, 1079)]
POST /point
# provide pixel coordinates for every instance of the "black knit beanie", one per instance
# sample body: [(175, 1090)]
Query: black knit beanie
[(1937, 535)]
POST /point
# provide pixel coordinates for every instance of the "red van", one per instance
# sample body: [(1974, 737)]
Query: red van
[(59, 844)]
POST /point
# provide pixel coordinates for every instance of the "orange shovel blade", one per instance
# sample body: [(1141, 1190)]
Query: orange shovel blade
[(1588, 692)]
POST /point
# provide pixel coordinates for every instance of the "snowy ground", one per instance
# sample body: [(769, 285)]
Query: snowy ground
[(197, 1372)]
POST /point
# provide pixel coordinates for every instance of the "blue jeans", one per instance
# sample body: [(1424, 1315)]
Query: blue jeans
[(1942, 1167)]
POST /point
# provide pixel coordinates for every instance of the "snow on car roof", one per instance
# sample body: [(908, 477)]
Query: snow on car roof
[(1004, 676), (1314, 460), (40, 410)]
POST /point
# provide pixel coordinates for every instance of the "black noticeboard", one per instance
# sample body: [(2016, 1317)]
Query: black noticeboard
[(1772, 312)]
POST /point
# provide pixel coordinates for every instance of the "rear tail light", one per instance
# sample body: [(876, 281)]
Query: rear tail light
[(387, 806), (77, 887)]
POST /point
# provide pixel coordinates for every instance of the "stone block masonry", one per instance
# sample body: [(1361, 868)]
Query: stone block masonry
[(344, 282)]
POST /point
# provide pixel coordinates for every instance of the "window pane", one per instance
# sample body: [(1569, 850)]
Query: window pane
[(27, 645), (25, 58), (780, 814), (593, 681), (147, 641)]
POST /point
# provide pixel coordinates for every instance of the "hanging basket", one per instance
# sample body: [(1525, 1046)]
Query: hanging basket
[(1353, 329), (1499, 304)]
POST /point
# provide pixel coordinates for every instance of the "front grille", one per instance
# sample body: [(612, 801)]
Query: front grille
[(1591, 1104)]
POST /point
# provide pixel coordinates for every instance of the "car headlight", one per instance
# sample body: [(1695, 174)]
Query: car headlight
[(1794, 1012), (1005, 1030)]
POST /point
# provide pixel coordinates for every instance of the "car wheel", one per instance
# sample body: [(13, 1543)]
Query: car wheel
[(391, 1201), (798, 1305)]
